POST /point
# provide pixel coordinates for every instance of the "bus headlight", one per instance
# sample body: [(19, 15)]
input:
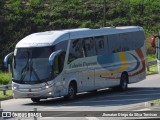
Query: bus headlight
[(14, 87), (47, 86)]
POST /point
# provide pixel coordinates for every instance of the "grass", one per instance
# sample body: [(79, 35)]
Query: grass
[(155, 101), (152, 70), (4, 78), (9, 94), (151, 57)]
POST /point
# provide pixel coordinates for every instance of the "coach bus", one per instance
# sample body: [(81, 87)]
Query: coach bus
[(66, 62)]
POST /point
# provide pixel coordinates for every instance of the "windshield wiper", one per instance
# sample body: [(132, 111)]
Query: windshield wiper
[(25, 69), (34, 72)]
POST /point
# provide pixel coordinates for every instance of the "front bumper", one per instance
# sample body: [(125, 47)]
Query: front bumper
[(30, 93)]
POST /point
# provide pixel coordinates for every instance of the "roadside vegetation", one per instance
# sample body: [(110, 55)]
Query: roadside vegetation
[(157, 101), (4, 78), (9, 94), (151, 57), (154, 68)]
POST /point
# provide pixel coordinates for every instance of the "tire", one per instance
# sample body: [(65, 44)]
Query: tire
[(71, 92), (35, 99), (124, 82)]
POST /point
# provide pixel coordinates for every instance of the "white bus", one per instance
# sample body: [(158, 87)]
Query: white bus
[(63, 63)]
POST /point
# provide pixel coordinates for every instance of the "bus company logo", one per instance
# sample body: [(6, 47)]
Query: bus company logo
[(6, 114)]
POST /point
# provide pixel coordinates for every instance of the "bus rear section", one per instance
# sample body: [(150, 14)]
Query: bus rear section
[(110, 60)]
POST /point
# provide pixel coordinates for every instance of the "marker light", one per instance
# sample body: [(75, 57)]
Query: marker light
[(153, 41), (14, 87)]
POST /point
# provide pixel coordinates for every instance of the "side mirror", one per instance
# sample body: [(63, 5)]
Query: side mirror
[(6, 59), (53, 55), (153, 41)]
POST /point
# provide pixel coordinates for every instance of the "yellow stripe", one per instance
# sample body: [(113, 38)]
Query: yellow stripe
[(123, 67)]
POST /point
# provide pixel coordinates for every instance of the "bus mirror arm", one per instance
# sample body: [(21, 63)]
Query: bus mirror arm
[(53, 55), (6, 59)]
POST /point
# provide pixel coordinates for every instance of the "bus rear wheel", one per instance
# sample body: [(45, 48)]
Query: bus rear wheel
[(124, 82), (35, 99)]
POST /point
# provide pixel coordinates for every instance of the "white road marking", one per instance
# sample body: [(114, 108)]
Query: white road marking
[(92, 118)]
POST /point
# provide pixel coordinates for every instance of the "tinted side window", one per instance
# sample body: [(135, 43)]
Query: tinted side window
[(59, 60), (114, 43), (126, 42), (76, 50), (88, 46), (137, 39), (101, 45), (131, 40), (61, 46)]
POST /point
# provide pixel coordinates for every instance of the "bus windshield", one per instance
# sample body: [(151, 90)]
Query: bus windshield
[(30, 65)]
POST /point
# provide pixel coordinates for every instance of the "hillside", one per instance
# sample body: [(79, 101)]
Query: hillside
[(19, 18)]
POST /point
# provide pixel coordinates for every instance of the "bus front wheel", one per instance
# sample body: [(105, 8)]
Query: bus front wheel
[(124, 82), (71, 92), (35, 99)]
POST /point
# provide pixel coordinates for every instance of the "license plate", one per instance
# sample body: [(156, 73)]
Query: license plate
[(30, 95)]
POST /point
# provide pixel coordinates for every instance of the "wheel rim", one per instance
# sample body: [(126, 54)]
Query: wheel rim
[(124, 83), (71, 92)]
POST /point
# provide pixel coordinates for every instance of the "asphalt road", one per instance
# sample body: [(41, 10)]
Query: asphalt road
[(104, 100)]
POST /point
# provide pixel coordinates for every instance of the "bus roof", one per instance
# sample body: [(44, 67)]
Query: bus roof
[(49, 38)]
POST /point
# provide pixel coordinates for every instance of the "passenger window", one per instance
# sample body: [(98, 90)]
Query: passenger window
[(101, 47), (101, 44), (137, 39), (88, 47), (76, 50), (61, 46), (114, 43), (126, 42)]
